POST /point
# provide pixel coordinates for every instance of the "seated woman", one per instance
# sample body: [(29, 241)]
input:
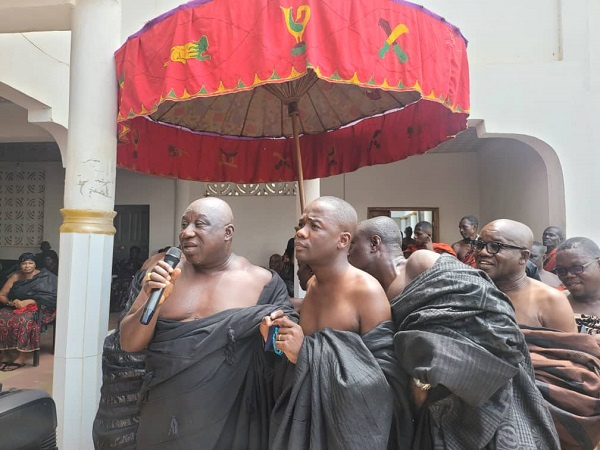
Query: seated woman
[(27, 293), (578, 268)]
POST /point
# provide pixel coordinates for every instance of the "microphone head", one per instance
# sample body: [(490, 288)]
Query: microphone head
[(173, 256)]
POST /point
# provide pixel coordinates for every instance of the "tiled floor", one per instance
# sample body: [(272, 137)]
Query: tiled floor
[(29, 377)]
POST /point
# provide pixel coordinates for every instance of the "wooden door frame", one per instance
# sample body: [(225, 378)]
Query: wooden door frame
[(435, 213)]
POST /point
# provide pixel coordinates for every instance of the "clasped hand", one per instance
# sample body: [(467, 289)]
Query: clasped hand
[(290, 336)]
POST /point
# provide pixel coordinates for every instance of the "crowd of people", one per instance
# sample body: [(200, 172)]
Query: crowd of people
[(435, 347)]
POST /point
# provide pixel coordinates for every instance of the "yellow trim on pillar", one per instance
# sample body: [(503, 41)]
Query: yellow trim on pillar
[(88, 221)]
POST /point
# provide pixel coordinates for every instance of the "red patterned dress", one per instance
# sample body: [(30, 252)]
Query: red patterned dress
[(19, 329)]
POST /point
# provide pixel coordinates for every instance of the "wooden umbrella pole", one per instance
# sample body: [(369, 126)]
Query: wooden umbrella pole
[(294, 114)]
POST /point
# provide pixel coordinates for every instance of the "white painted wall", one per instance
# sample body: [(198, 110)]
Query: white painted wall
[(513, 180), (159, 193), (449, 182)]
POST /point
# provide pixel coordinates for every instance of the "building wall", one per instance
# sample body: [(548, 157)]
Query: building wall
[(513, 180), (445, 181), (159, 193)]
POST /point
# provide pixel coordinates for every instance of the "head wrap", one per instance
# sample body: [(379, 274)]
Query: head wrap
[(27, 256)]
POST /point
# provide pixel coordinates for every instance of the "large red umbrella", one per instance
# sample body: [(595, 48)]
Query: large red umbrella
[(223, 90)]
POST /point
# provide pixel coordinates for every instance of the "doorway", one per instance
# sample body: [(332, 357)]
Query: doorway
[(406, 216), (133, 229)]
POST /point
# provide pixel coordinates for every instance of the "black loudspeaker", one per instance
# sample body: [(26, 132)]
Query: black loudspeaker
[(27, 420)]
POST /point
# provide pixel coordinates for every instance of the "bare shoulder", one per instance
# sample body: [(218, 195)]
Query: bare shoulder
[(547, 294), (260, 274), (555, 309), (419, 262), (362, 283)]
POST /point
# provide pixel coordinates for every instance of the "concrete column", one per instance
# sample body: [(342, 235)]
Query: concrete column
[(312, 191), (87, 233)]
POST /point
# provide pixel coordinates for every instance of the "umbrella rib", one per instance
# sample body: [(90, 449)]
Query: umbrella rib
[(158, 119), (334, 111), (247, 112), (391, 94), (316, 111)]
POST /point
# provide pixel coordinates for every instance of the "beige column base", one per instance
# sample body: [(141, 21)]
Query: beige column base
[(88, 221)]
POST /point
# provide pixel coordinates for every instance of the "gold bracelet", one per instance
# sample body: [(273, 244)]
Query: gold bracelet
[(421, 385)]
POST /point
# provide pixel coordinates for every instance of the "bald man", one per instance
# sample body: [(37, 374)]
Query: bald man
[(452, 328), (344, 325), (204, 363), (502, 252), (377, 249)]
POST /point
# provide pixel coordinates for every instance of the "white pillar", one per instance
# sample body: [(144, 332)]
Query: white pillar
[(312, 191), (87, 232)]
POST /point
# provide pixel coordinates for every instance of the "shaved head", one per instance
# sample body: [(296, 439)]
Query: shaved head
[(425, 227), (583, 245), (514, 232), (215, 208), (344, 213), (471, 219), (384, 227)]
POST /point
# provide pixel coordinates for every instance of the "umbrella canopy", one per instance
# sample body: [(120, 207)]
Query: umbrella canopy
[(222, 90)]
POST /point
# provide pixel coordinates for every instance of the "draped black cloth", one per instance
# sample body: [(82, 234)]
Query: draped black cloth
[(339, 397), (41, 288), (116, 422), (456, 331), (209, 382)]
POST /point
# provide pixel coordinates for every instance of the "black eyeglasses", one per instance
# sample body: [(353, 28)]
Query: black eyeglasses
[(493, 247), (575, 270)]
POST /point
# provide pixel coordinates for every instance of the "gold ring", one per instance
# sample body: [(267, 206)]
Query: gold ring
[(149, 276)]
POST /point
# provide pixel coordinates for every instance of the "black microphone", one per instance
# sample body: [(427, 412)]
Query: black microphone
[(172, 259)]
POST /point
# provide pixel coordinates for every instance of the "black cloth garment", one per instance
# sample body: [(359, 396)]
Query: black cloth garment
[(209, 382), (456, 331), (116, 422), (338, 397), (41, 288)]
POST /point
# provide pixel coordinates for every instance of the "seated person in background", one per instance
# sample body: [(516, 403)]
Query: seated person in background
[(27, 293), (468, 230), (578, 267), (344, 325), (126, 269), (502, 252), (538, 252), (423, 233), (456, 339), (41, 256), (275, 262), (407, 239), (552, 238), (208, 379), (51, 262)]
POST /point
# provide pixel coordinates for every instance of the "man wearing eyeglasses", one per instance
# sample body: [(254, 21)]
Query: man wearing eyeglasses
[(502, 251)]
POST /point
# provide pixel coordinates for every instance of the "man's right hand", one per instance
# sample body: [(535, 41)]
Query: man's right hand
[(161, 276)]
